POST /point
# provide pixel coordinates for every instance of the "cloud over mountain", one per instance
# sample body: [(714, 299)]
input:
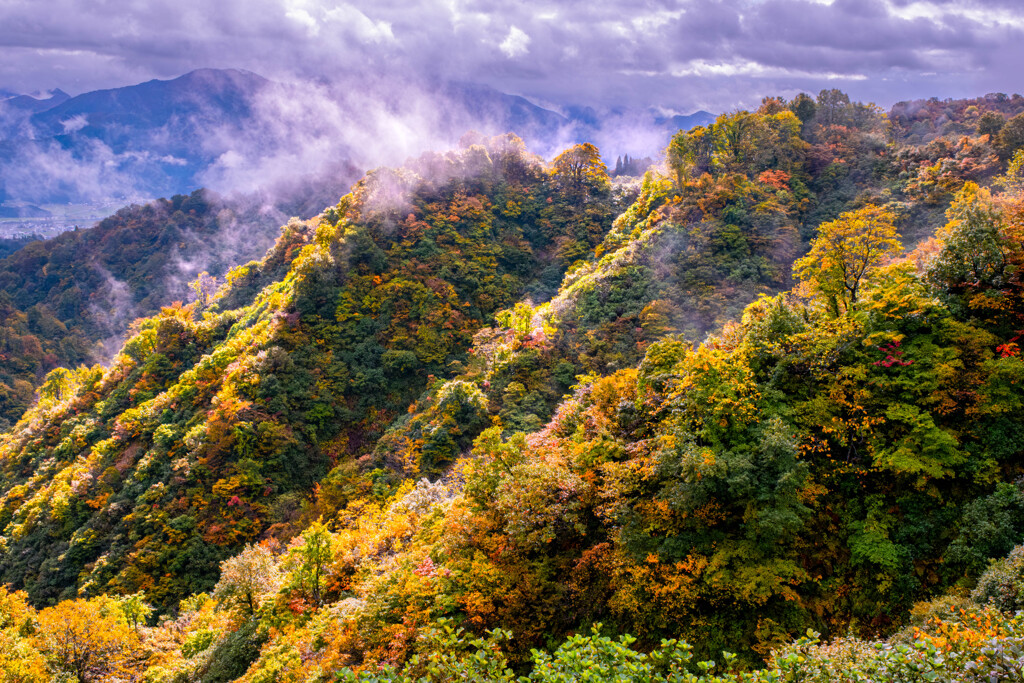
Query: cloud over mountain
[(660, 52)]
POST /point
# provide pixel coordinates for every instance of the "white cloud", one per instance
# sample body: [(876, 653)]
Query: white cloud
[(646, 23), (75, 123), (746, 67), (365, 29), (945, 12), (304, 19), (676, 53), (516, 43)]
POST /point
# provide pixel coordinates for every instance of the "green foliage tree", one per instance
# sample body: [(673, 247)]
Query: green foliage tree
[(973, 249), (990, 527), (833, 107), (991, 123), (1013, 179), (804, 106), (1002, 584), (308, 562), (1011, 136), (135, 609)]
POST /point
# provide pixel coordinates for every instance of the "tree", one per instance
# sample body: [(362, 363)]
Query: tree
[(974, 253), (978, 268), (88, 639), (246, 579), (740, 134), (309, 562), (1013, 180), (990, 123), (778, 145), (204, 287), (20, 661), (135, 609), (771, 106), (690, 153), (845, 250), (1002, 582), (833, 107), (1011, 137), (580, 171), (804, 106)]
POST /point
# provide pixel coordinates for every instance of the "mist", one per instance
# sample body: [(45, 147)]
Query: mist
[(291, 144), (275, 151)]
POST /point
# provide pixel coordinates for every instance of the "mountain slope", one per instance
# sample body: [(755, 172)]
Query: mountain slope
[(35, 104), (377, 297), (70, 299), (139, 140), (802, 469), (417, 448), (117, 114)]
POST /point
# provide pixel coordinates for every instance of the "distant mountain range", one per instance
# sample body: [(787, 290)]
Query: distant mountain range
[(36, 104), (233, 129), (681, 122), (141, 140)]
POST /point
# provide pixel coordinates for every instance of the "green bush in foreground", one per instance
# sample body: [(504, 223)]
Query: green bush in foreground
[(969, 645)]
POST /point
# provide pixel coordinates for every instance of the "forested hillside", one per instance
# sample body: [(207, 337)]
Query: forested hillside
[(487, 405), (9, 245), (921, 121), (70, 300)]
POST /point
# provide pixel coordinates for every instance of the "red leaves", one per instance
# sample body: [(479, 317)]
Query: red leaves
[(1010, 349), (777, 179), (426, 568), (893, 355)]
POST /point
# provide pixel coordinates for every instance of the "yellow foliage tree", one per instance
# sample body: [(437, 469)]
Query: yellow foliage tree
[(579, 168), (247, 578), (845, 251), (20, 662), (88, 639)]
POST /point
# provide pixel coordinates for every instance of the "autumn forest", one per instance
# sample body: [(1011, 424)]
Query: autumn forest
[(753, 411)]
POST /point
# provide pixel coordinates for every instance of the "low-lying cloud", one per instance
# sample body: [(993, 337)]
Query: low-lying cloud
[(239, 133)]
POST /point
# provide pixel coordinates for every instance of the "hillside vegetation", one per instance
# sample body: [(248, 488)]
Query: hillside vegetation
[(70, 300), (488, 413)]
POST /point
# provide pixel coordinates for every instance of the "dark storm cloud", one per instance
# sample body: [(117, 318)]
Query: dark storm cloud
[(685, 54)]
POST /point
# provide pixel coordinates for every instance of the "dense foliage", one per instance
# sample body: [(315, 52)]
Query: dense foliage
[(9, 245), (209, 424), (69, 300), (921, 121), (469, 424)]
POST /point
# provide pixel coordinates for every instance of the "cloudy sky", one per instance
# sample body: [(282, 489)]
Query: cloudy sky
[(678, 54)]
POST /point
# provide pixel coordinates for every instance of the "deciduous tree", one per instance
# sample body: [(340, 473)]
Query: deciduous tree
[(845, 251), (247, 578), (990, 123), (580, 171), (88, 639)]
